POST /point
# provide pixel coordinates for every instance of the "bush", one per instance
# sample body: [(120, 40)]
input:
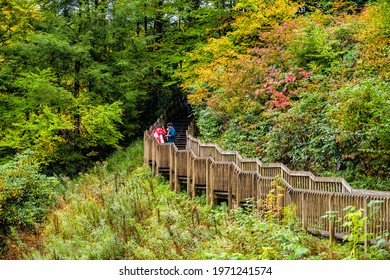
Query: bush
[(25, 194), (315, 47), (361, 116), (303, 138), (210, 124)]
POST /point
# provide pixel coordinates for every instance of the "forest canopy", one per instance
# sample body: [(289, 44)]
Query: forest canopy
[(303, 83)]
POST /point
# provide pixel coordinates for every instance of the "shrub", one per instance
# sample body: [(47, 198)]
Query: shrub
[(25, 194), (303, 138), (361, 116), (210, 124), (315, 47)]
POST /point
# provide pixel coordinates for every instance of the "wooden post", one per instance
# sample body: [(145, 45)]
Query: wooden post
[(190, 191), (189, 172), (153, 159), (208, 181), (331, 220), (230, 187), (304, 211), (193, 181), (254, 188), (158, 158), (365, 217), (211, 184), (176, 174), (238, 191), (172, 169)]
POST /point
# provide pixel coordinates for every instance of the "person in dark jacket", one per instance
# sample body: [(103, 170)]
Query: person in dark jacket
[(171, 133)]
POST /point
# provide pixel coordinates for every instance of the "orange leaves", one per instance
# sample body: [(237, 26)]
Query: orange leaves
[(228, 75), (225, 74), (375, 38)]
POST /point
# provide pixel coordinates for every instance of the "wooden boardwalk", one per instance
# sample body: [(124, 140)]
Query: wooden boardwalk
[(224, 175)]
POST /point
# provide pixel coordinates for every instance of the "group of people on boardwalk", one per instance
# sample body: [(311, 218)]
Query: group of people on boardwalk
[(163, 135)]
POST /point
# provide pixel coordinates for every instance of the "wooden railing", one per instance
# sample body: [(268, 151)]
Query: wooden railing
[(225, 174)]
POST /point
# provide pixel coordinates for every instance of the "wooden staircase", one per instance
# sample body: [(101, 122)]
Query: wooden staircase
[(181, 123), (226, 176)]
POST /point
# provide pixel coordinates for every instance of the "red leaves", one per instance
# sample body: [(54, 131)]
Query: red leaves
[(279, 87), (290, 78), (305, 74)]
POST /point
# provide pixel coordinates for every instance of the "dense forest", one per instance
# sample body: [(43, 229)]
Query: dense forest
[(305, 83)]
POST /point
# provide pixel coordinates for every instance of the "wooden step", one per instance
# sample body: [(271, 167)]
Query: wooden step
[(181, 123)]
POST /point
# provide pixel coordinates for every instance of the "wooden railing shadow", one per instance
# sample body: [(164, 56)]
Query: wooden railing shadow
[(225, 175)]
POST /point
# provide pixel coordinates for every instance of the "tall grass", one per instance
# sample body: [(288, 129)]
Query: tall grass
[(118, 210)]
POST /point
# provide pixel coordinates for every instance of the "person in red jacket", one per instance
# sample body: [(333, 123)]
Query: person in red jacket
[(159, 132)]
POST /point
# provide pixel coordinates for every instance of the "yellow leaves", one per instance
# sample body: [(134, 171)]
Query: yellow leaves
[(262, 14), (280, 11), (220, 48), (268, 253), (15, 192), (342, 5), (43, 131), (375, 38), (7, 193), (15, 19), (225, 84), (200, 95), (221, 66), (376, 25)]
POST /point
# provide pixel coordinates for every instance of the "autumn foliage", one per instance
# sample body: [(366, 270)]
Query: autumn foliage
[(302, 89)]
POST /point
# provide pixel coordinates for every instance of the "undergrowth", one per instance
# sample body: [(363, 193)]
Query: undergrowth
[(123, 212)]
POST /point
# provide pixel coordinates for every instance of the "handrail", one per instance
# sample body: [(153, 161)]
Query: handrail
[(313, 182), (283, 169), (206, 167)]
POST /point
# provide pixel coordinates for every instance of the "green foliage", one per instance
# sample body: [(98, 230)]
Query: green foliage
[(26, 196), (335, 6), (130, 216), (127, 159), (16, 19), (315, 48), (304, 138), (99, 124), (356, 220), (362, 119), (118, 210), (271, 206), (80, 80), (243, 234), (209, 123), (55, 134)]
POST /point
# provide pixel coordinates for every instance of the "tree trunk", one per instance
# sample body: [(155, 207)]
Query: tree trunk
[(158, 21)]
